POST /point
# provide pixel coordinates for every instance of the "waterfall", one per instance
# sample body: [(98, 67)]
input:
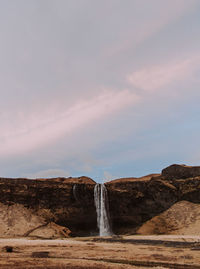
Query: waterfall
[(74, 189), (102, 209)]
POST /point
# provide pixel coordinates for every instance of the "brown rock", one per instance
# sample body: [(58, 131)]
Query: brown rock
[(73, 180), (128, 179), (180, 171), (134, 202), (66, 204), (70, 202)]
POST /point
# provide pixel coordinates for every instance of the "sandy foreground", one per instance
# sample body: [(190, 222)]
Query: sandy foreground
[(93, 252)]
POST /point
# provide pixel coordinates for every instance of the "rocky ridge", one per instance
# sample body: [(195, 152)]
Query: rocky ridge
[(55, 201), (69, 202), (133, 202)]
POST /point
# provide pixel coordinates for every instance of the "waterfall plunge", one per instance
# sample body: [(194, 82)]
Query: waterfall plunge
[(102, 208)]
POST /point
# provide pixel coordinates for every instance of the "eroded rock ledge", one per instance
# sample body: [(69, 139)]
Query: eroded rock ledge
[(133, 201), (66, 202), (69, 202)]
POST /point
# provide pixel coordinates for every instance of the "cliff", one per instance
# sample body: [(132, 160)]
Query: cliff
[(134, 201), (69, 202), (66, 202)]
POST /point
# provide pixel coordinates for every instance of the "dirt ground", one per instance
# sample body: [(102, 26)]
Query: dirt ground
[(94, 252)]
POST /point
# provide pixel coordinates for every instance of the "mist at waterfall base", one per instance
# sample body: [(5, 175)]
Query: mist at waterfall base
[(102, 209)]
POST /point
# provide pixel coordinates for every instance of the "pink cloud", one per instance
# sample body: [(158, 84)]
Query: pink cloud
[(156, 77), (149, 23), (27, 135)]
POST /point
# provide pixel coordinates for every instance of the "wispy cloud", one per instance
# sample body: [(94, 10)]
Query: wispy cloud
[(56, 56), (157, 77), (27, 136), (49, 173), (149, 23)]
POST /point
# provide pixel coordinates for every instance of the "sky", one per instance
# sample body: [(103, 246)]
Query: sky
[(105, 89)]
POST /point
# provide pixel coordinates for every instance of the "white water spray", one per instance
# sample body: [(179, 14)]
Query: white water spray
[(102, 209)]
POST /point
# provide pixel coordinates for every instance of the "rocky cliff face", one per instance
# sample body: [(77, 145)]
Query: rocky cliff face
[(69, 202), (134, 201), (180, 171)]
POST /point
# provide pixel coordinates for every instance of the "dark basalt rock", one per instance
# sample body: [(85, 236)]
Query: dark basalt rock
[(180, 171), (54, 200), (70, 202), (133, 202)]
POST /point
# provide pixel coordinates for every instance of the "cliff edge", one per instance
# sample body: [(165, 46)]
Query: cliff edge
[(69, 202)]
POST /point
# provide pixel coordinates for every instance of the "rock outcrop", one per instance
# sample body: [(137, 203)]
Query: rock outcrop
[(135, 201), (69, 202), (180, 171)]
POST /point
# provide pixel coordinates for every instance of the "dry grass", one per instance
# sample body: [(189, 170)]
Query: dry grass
[(87, 253)]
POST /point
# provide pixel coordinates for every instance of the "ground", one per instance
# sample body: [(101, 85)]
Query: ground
[(94, 252)]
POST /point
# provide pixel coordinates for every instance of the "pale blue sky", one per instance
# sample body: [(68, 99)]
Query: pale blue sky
[(106, 89)]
